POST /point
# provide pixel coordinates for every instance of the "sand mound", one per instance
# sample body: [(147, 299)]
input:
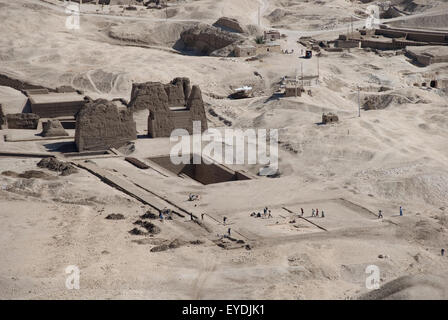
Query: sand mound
[(29, 174), (411, 287), (165, 34), (382, 100)]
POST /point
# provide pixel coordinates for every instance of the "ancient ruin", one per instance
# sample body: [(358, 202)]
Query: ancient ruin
[(22, 120), (53, 128), (323, 173), (329, 118), (428, 55), (101, 125), (52, 105), (2, 117), (171, 106)]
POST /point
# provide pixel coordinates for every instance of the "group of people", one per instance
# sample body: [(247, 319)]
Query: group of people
[(314, 213), (288, 52), (380, 213), (165, 214), (193, 197), (266, 214)]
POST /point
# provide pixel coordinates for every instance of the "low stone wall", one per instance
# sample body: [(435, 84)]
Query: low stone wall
[(22, 121)]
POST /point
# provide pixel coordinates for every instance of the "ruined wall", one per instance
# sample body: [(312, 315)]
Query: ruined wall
[(54, 110), (101, 125), (2, 117), (346, 43), (245, 51), (22, 121), (171, 106), (414, 35)]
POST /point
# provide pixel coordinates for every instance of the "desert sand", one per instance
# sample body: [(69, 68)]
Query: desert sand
[(395, 155)]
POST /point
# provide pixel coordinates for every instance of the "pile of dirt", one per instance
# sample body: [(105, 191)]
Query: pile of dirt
[(176, 243), (382, 101), (150, 227), (137, 232), (149, 215), (115, 216), (53, 164), (29, 174)]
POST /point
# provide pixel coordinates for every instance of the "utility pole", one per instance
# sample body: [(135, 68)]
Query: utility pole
[(318, 74), (297, 81), (359, 104), (301, 70)]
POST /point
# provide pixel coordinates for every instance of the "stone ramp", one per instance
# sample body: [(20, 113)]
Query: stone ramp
[(123, 185)]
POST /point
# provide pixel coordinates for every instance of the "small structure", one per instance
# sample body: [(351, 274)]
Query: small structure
[(54, 104), (22, 121), (101, 125), (245, 51), (271, 35), (268, 48), (329, 118), (53, 128), (293, 91), (428, 55)]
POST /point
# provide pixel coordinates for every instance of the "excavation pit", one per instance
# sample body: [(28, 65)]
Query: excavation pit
[(204, 173)]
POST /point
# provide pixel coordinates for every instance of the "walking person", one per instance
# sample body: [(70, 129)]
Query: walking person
[(442, 252), (301, 211), (312, 213), (380, 214), (202, 216), (228, 232), (317, 212), (224, 220), (323, 214), (401, 211)]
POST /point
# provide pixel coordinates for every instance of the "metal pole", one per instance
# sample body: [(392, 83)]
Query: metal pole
[(301, 70), (359, 105), (297, 80)]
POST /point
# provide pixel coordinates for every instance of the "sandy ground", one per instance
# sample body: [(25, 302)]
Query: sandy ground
[(391, 157)]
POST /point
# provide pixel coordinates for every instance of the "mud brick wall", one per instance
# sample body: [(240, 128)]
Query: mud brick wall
[(101, 125), (161, 99)]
